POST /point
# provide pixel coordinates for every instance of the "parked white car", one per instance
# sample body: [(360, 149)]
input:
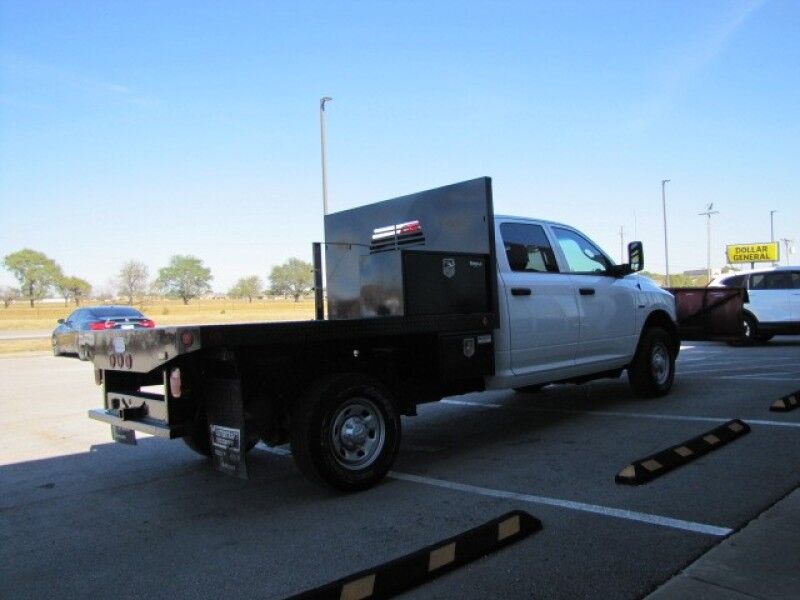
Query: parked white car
[(774, 301)]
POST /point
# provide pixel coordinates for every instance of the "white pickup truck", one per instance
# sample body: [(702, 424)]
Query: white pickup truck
[(428, 295)]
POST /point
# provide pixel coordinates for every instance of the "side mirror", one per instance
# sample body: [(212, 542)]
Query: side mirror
[(61, 321), (636, 256)]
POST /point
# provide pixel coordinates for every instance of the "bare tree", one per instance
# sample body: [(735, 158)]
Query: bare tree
[(132, 279), (8, 295)]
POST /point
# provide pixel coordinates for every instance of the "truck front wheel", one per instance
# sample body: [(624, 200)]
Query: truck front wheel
[(653, 368), (345, 432)]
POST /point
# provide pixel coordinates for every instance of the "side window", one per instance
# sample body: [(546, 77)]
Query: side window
[(528, 248), (796, 280), (582, 256), (779, 280), (757, 281)]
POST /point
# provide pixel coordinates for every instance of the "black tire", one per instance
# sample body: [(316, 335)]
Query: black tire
[(530, 389), (652, 370), (345, 432)]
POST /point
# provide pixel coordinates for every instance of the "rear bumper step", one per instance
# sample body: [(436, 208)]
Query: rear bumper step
[(144, 425)]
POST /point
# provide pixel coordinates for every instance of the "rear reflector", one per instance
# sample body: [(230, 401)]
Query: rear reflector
[(175, 382), (187, 339)]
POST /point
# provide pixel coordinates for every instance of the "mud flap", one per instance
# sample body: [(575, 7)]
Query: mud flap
[(122, 435), (225, 413)]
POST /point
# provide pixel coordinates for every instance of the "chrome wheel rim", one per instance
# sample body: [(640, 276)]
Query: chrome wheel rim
[(659, 363), (748, 331), (358, 434)]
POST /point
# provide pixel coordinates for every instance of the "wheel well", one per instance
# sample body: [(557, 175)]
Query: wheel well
[(661, 319)]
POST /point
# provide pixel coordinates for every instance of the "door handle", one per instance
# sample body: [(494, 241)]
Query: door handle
[(586, 291), (520, 291)]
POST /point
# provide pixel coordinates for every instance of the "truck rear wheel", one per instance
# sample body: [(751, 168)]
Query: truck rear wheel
[(653, 368), (345, 432)]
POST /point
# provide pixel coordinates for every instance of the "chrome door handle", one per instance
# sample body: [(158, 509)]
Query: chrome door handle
[(586, 291)]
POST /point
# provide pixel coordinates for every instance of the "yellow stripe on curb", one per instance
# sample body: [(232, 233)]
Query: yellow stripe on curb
[(358, 589), (652, 465), (508, 528), (441, 557)]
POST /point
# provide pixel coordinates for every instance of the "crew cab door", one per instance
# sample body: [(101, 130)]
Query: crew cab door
[(542, 308), (606, 303)]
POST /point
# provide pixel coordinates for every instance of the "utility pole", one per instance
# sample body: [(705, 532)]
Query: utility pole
[(772, 230), (787, 244), (708, 212), (322, 102), (772, 225), (621, 245), (664, 182)]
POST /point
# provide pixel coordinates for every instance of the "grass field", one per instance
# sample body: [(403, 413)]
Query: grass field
[(21, 317)]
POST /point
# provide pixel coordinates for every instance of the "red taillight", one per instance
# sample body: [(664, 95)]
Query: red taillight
[(147, 323), (97, 326)]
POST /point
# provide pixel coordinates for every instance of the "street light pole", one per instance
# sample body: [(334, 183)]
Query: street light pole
[(772, 228), (322, 102), (772, 225), (664, 182), (708, 212)]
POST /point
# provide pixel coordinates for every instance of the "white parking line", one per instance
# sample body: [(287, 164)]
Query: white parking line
[(606, 511), (630, 415), (761, 378), (749, 366)]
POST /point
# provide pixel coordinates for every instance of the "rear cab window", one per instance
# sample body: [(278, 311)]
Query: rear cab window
[(527, 248)]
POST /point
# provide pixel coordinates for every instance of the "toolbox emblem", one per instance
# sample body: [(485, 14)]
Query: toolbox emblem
[(449, 267)]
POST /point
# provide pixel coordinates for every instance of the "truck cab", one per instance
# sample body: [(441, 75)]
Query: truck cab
[(567, 311)]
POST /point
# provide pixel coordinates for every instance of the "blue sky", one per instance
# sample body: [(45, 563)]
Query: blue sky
[(139, 130)]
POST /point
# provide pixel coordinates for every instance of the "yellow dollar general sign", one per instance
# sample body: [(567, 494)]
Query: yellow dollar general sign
[(749, 253)]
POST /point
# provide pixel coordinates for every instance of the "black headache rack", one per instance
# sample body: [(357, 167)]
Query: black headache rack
[(422, 264), (710, 313)]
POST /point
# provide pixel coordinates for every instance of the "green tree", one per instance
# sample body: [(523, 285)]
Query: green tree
[(75, 288), (185, 277), (247, 287), (8, 295), (132, 279), (294, 278), (35, 272)]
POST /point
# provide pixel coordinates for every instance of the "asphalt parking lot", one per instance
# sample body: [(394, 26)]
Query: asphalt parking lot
[(81, 516)]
